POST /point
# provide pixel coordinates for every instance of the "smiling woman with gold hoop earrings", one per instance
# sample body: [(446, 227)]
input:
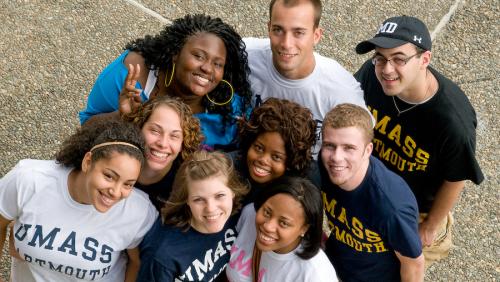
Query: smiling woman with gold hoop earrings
[(199, 59)]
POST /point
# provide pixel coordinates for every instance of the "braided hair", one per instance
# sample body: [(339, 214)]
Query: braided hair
[(159, 50)]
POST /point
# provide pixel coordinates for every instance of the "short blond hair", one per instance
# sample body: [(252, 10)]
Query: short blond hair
[(348, 115)]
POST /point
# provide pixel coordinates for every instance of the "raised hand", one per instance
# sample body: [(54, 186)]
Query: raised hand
[(130, 97)]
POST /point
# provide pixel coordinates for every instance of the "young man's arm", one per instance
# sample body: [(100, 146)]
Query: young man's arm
[(446, 198), (412, 269)]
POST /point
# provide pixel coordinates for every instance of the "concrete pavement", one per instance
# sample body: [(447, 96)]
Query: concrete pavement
[(53, 50)]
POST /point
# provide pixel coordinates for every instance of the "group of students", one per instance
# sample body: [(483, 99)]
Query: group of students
[(237, 148)]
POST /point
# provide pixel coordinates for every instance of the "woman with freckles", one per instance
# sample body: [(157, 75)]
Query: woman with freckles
[(78, 217), (199, 59), (280, 235), (193, 238)]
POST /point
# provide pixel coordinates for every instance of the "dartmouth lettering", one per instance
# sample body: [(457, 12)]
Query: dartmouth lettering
[(411, 158), (36, 237)]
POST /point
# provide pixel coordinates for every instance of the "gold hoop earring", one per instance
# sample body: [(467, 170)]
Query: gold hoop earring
[(171, 76), (230, 98)]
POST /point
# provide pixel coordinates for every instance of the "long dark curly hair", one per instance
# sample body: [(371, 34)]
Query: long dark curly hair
[(293, 122), (75, 147), (159, 50)]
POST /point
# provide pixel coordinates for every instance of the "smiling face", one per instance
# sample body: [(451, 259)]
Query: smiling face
[(108, 180), (199, 67), (345, 155), (293, 37), (210, 202), (401, 80), (163, 135), (280, 223), (266, 157)]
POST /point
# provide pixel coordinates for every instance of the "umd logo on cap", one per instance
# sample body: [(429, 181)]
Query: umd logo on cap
[(388, 27)]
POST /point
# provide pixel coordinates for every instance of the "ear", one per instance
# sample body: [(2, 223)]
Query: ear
[(304, 228), (426, 59), (87, 162), (269, 26), (318, 33), (369, 149)]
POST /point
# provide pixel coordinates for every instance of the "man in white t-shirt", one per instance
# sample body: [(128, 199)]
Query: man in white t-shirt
[(285, 65)]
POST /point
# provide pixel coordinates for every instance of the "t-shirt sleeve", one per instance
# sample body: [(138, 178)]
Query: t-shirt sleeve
[(103, 97), (255, 43), (402, 233), (150, 217), (458, 157), (12, 189), (362, 76), (248, 213)]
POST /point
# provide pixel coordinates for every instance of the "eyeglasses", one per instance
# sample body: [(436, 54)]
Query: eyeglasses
[(380, 61)]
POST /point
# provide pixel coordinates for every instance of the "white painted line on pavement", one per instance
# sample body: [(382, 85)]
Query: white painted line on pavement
[(149, 12), (446, 19)]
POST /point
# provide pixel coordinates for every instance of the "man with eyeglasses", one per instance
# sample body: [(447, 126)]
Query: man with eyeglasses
[(425, 126)]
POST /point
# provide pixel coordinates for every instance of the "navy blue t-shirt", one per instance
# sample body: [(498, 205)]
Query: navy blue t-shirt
[(160, 191), (168, 253), (369, 223)]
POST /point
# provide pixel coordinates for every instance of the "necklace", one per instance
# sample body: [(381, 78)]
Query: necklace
[(420, 103)]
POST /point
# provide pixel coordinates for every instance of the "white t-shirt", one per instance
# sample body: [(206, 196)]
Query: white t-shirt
[(273, 266), (62, 240), (327, 86)]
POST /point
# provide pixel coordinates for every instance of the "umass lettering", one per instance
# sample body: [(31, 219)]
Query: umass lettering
[(410, 157)]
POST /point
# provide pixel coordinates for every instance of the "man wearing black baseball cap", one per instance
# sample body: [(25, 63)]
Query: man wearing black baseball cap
[(426, 126)]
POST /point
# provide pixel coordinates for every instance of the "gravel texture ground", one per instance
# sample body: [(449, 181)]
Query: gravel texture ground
[(52, 51)]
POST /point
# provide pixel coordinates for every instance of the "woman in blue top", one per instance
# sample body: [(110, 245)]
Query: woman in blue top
[(200, 59)]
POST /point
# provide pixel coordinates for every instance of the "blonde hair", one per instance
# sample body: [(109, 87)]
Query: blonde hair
[(201, 165), (347, 115)]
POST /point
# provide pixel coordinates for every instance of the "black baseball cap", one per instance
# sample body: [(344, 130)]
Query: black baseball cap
[(397, 31)]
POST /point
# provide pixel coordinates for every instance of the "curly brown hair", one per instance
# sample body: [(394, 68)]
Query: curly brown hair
[(101, 131), (191, 132), (201, 165), (293, 122)]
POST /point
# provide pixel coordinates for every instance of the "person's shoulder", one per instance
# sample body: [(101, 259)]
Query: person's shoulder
[(33, 164), (33, 168), (445, 83), (248, 211), (366, 71), (453, 106), (138, 209), (255, 44), (390, 185), (139, 196), (327, 63), (329, 67), (321, 268), (134, 58)]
